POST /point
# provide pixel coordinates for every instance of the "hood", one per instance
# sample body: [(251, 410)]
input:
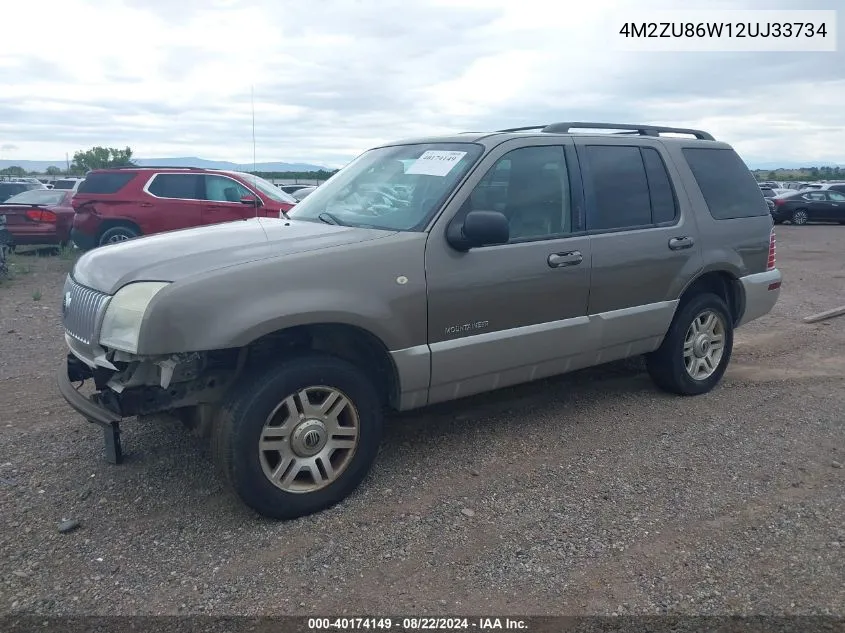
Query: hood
[(180, 254)]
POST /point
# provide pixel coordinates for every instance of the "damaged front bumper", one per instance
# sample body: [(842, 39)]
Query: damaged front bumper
[(75, 370), (127, 385)]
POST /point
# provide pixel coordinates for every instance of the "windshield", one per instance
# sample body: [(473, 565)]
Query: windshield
[(267, 188), (38, 196), (396, 188)]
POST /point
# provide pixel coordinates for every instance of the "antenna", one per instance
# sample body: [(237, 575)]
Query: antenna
[(254, 163)]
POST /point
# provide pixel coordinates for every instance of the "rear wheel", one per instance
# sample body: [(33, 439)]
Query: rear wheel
[(118, 234), (799, 217), (300, 437), (697, 349)]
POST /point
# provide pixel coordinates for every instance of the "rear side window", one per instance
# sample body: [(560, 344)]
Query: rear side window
[(106, 182), (620, 188), (728, 187), (182, 186), (630, 188)]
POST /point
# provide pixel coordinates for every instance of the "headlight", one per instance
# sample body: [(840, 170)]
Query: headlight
[(122, 322)]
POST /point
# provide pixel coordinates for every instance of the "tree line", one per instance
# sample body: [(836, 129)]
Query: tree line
[(801, 174)]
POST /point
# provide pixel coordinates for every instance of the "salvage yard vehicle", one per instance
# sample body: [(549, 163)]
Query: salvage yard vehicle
[(516, 255), (122, 203), (39, 216)]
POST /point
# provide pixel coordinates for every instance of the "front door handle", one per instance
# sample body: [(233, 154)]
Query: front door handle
[(680, 243), (570, 258)]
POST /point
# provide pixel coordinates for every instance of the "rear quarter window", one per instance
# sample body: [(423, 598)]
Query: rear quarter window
[(106, 182), (728, 187)]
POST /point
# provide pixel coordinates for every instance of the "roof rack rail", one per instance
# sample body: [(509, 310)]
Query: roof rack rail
[(154, 167), (523, 129), (629, 128)]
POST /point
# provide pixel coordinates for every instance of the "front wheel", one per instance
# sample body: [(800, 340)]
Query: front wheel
[(697, 349), (299, 437), (117, 234), (799, 217)]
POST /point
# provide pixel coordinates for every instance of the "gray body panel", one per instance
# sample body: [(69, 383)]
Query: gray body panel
[(454, 323)]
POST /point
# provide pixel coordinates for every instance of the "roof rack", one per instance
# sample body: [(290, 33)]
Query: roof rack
[(625, 128), (155, 167), (527, 128)]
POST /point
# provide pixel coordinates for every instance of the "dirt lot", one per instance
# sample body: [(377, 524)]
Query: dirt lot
[(591, 493)]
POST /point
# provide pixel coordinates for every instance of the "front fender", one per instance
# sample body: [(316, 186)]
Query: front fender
[(359, 286)]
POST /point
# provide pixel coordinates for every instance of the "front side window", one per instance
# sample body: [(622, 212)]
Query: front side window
[(836, 196), (530, 186), (396, 188), (177, 186), (222, 189)]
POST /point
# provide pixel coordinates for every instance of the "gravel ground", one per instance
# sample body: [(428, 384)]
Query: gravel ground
[(586, 494)]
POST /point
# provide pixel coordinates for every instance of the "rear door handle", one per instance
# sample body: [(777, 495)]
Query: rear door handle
[(680, 243), (570, 258)]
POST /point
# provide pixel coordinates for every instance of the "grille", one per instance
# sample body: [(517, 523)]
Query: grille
[(81, 310)]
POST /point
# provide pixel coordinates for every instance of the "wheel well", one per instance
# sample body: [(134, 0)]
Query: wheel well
[(353, 344), (110, 224), (724, 285)]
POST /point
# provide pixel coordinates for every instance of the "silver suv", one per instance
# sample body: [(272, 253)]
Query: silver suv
[(424, 271)]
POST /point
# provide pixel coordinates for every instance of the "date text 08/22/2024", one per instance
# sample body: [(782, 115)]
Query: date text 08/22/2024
[(416, 624)]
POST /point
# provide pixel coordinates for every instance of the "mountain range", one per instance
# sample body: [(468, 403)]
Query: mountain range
[(183, 161)]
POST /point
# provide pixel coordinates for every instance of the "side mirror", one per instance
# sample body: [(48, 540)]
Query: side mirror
[(251, 200), (479, 228)]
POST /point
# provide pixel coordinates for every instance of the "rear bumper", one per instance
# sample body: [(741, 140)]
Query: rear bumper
[(83, 405), (21, 237), (83, 241), (761, 292)]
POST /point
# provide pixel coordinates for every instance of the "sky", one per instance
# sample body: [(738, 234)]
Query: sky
[(330, 78)]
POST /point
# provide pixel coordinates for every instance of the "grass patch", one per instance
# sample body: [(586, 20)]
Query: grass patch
[(69, 253), (36, 295)]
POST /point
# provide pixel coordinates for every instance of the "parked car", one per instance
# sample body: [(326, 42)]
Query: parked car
[(301, 194), (834, 186), (285, 340), (5, 247), (39, 216), (801, 207), (292, 188), (29, 180), (9, 188), (113, 205), (769, 192), (67, 183)]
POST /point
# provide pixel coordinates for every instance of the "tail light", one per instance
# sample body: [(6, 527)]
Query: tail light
[(778, 201), (39, 215), (770, 265)]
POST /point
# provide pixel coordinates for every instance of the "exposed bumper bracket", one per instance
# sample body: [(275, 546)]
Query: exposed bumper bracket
[(92, 411)]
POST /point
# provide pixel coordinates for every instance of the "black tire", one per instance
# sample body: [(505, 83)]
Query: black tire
[(666, 365), (117, 234), (800, 220), (241, 420)]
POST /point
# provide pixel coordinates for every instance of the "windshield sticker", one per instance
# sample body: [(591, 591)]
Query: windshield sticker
[(435, 163)]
